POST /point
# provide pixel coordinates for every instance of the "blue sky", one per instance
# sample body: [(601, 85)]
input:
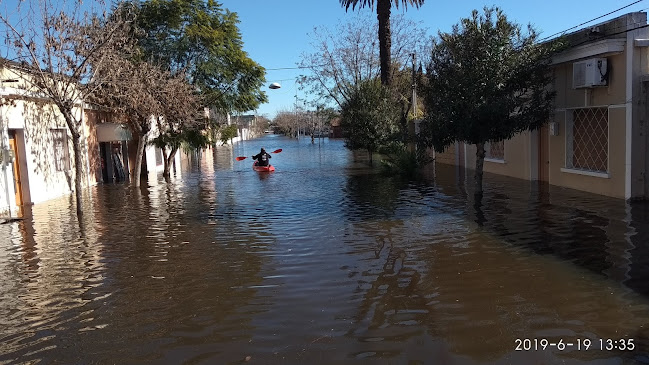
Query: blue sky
[(275, 32)]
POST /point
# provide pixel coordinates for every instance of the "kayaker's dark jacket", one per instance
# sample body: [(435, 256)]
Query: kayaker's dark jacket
[(263, 158)]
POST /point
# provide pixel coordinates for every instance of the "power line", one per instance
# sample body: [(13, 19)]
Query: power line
[(284, 68), (609, 35), (601, 16), (300, 67), (292, 78)]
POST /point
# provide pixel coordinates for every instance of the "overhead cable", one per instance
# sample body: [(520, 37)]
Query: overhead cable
[(584, 23)]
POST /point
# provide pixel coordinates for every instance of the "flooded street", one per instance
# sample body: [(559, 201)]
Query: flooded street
[(325, 261)]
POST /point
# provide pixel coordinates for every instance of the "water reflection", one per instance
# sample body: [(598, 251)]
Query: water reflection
[(335, 264)]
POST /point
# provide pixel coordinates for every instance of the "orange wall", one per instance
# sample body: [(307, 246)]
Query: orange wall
[(612, 186), (517, 158)]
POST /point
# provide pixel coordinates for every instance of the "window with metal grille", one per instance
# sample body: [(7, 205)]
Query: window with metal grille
[(61, 153), (495, 150), (587, 139)]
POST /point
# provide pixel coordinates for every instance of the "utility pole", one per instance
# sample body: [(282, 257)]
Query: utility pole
[(297, 125), (319, 124), (414, 85)]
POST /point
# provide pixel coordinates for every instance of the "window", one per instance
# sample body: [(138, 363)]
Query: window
[(61, 153), (495, 150), (587, 139)]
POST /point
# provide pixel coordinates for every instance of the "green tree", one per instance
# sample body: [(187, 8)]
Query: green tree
[(201, 39), (383, 9), (370, 118), (487, 81), (228, 132)]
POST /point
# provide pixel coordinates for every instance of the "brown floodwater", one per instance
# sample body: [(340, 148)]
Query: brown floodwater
[(325, 261)]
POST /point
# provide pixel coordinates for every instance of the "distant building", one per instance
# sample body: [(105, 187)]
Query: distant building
[(245, 123), (335, 130)]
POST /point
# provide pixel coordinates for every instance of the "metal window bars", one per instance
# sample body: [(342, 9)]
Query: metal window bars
[(588, 140), (495, 150)]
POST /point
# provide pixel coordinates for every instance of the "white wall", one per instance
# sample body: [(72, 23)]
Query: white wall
[(154, 170), (33, 125), (7, 194)]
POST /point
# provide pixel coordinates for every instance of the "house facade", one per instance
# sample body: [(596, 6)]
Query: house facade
[(36, 153), (38, 160), (335, 130), (596, 140), (246, 124)]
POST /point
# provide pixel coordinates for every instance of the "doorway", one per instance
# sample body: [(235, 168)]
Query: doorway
[(18, 186)]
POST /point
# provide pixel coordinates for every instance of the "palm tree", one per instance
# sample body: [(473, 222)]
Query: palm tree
[(385, 39)]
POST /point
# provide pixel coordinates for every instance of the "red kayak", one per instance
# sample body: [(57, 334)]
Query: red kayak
[(268, 168)]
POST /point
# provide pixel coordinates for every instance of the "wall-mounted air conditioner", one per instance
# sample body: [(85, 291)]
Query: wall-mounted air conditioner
[(589, 73)]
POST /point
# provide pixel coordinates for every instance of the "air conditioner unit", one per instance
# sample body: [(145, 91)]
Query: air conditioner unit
[(589, 73)]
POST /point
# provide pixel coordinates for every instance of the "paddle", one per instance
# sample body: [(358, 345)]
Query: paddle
[(241, 158)]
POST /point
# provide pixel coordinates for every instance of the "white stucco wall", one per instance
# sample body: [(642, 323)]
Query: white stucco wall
[(7, 194), (33, 125)]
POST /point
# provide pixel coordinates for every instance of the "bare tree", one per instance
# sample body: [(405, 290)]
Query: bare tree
[(55, 44), (383, 10), (153, 99), (349, 53), (134, 90), (286, 122), (181, 120)]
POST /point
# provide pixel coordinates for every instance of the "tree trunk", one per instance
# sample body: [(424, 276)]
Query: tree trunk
[(385, 40), (141, 145), (479, 165), (74, 126), (165, 161), (169, 160), (78, 174)]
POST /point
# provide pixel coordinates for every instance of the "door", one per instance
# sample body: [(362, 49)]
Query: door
[(544, 154), (16, 167)]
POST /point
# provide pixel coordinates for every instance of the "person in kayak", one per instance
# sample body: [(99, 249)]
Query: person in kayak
[(263, 158)]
